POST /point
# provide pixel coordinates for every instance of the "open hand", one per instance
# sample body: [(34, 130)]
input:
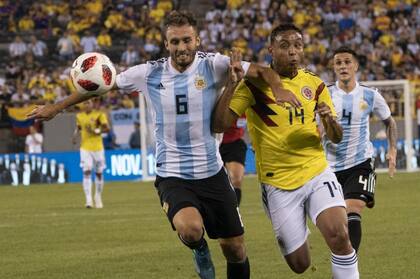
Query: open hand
[(236, 72), (283, 95), (43, 113)]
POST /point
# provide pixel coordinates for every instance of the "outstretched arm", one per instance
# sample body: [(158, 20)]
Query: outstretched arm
[(47, 112), (223, 117), (332, 129), (391, 132)]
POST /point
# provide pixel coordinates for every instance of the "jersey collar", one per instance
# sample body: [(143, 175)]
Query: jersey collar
[(190, 68), (344, 92)]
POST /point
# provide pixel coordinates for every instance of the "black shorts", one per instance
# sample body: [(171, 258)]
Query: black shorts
[(359, 182), (214, 198), (234, 151)]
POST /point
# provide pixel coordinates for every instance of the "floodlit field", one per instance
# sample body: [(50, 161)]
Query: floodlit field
[(45, 232)]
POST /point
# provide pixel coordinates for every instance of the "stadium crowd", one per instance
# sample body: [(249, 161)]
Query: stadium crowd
[(44, 37)]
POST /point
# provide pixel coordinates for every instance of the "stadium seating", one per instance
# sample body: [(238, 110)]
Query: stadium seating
[(386, 34)]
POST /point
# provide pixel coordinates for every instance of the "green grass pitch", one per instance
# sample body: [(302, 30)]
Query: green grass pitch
[(45, 232)]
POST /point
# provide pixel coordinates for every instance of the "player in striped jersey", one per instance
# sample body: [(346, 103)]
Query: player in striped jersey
[(291, 165), (351, 159), (192, 184)]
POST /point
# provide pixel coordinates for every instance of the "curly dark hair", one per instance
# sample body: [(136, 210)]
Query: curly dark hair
[(282, 28), (179, 18)]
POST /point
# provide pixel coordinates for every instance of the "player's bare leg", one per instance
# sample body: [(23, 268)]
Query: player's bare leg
[(354, 216), (99, 185), (236, 173), (189, 225), (87, 188), (237, 262), (300, 259), (332, 223)]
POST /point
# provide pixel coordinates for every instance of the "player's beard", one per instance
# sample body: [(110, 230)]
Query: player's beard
[(185, 58)]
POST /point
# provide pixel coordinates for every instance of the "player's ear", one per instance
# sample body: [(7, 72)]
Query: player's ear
[(270, 50), (166, 44), (198, 41)]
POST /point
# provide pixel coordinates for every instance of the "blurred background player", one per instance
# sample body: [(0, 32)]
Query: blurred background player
[(351, 159), (90, 125), (233, 151)]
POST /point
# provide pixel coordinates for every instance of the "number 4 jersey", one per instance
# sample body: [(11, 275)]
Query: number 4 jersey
[(286, 141), (353, 110), (181, 105)]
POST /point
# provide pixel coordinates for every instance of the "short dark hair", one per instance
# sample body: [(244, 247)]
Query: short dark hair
[(179, 18), (346, 49), (282, 28)]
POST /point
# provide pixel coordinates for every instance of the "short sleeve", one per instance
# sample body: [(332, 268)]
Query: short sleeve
[(242, 99), (130, 78), (325, 96), (380, 107)]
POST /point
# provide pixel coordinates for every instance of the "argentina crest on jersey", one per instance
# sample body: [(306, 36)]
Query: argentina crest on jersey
[(200, 82)]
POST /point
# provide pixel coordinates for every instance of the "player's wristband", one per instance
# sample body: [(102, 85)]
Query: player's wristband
[(97, 131)]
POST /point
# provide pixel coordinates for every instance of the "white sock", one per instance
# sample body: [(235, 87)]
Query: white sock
[(345, 266), (87, 188), (99, 184)]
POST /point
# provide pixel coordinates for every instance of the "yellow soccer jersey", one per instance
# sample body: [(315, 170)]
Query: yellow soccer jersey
[(87, 123), (288, 150)]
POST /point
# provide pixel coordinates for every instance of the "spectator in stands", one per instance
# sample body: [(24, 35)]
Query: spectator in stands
[(33, 141), (66, 47), (104, 40), (88, 42), (17, 48), (151, 48), (30, 64), (134, 141), (37, 47), (20, 96), (346, 22), (127, 102), (130, 56), (26, 24), (13, 71)]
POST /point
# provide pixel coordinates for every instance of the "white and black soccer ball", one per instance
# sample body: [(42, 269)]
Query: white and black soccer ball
[(93, 73)]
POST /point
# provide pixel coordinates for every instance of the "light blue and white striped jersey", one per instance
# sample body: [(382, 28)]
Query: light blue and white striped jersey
[(353, 112), (181, 105)]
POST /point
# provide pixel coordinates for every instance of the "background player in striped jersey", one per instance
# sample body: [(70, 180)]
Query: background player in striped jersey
[(351, 159), (290, 161), (233, 151), (193, 187), (90, 125)]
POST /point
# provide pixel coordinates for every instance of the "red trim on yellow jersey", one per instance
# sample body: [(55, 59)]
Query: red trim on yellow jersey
[(260, 107)]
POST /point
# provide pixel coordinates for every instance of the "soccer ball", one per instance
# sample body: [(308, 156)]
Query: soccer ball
[(93, 73)]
